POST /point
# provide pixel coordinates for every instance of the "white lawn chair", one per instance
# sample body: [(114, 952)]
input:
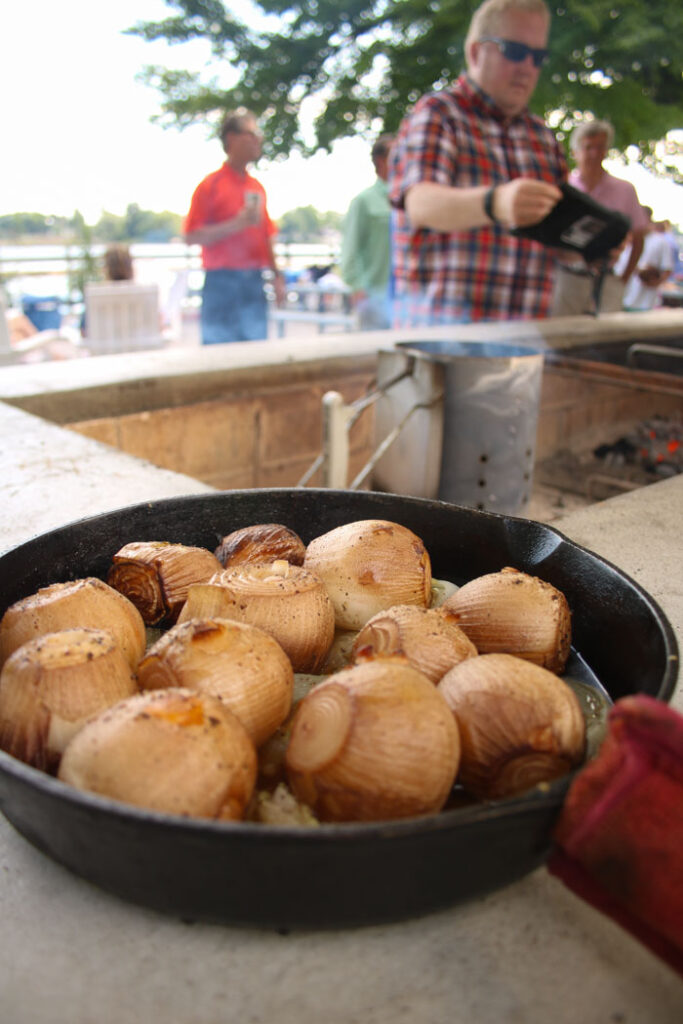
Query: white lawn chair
[(122, 316)]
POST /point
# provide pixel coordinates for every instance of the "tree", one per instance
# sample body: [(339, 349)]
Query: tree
[(362, 63), (306, 224), (19, 225)]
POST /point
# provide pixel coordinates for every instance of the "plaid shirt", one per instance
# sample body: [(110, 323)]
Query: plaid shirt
[(458, 137)]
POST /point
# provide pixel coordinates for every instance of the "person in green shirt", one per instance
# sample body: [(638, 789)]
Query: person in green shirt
[(366, 248)]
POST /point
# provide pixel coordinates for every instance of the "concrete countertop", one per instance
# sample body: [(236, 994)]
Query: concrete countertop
[(135, 380), (531, 953)]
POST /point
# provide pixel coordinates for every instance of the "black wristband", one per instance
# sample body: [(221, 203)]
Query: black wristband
[(488, 205)]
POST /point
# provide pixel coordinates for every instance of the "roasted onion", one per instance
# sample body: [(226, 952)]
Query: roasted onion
[(286, 601), (234, 661), (89, 603), (370, 565), (430, 639), (49, 687), (519, 724), (174, 751), (511, 612), (265, 542), (373, 742), (155, 576)]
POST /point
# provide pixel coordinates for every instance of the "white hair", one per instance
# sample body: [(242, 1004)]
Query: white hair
[(588, 130)]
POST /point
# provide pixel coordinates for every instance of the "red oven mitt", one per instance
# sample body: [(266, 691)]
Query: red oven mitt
[(619, 839)]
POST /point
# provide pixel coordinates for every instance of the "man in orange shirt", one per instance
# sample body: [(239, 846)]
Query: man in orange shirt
[(229, 219)]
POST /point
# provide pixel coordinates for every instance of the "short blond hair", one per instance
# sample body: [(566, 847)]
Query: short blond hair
[(487, 17)]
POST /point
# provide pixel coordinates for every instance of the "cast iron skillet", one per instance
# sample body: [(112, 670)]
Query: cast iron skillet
[(335, 875)]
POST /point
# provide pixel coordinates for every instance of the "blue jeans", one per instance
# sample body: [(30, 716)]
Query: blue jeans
[(374, 311), (234, 307)]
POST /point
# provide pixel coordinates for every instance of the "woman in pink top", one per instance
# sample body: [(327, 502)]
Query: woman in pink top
[(573, 294)]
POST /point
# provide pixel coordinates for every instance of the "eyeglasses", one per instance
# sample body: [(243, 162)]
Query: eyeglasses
[(517, 52)]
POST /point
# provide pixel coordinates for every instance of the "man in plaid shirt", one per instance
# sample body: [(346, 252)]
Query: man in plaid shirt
[(471, 162)]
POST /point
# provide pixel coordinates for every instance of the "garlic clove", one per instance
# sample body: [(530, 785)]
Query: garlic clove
[(286, 601), (370, 565), (234, 661), (430, 639), (441, 591), (281, 808), (519, 724), (265, 542), (52, 684), (511, 612), (155, 576), (174, 751), (89, 603), (373, 742)]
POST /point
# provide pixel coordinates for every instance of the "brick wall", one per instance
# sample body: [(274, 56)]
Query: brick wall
[(582, 405), (269, 436), (262, 438)]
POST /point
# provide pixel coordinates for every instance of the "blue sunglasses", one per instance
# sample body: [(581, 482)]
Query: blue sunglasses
[(517, 52)]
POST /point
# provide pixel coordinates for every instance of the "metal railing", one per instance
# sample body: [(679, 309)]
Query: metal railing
[(291, 255), (660, 351), (339, 418)]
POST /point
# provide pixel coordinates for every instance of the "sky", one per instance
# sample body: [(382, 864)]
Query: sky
[(76, 129)]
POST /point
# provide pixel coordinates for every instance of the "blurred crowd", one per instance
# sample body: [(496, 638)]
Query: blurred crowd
[(474, 213)]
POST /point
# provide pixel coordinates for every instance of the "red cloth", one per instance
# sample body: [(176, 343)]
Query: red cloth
[(620, 834), (219, 197)]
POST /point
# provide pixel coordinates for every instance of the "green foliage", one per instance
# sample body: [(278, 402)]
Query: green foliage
[(22, 225), (135, 226), (365, 62), (306, 224)]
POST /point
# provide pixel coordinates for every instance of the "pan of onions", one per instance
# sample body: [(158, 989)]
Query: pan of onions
[(308, 708)]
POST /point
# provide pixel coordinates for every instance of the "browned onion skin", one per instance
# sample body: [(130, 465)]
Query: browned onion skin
[(286, 601), (511, 612), (173, 751), (519, 724), (52, 684), (155, 576), (89, 603), (429, 638), (264, 542), (238, 663), (370, 565), (373, 742)]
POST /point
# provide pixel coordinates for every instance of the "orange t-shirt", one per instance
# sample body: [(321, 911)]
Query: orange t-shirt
[(221, 196)]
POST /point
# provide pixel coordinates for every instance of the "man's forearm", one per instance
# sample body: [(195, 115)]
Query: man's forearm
[(443, 208), (212, 233), (447, 208)]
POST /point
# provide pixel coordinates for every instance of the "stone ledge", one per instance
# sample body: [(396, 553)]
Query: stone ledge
[(134, 381)]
